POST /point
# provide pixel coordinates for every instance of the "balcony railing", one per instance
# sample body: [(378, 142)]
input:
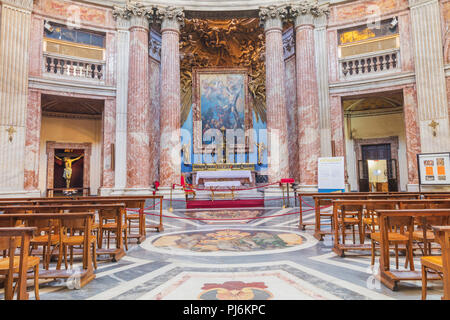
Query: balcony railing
[(73, 68), (378, 63)]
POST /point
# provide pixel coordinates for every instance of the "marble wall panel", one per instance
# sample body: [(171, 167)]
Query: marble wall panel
[(154, 79)]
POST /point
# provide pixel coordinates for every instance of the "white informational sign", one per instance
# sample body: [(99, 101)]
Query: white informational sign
[(434, 168), (331, 174)]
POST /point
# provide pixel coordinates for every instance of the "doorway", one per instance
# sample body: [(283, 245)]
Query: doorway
[(377, 170)]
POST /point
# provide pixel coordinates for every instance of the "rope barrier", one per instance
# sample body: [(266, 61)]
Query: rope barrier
[(245, 189), (307, 203)]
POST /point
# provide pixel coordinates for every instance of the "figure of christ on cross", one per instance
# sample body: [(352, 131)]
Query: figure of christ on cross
[(67, 174)]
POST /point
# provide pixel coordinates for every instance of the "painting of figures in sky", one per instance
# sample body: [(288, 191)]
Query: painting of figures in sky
[(222, 99)]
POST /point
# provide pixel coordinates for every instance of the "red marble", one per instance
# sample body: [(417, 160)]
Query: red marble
[(155, 123), (109, 137), (406, 45), (292, 116), (138, 119), (170, 162), (333, 64), (337, 125), (36, 43), (278, 162), (32, 139), (111, 59), (308, 106), (413, 144)]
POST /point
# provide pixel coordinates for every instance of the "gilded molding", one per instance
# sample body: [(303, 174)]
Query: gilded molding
[(273, 16)]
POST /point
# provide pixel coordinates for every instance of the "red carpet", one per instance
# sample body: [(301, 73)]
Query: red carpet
[(240, 203)]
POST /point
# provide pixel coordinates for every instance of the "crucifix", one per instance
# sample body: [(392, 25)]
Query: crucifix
[(11, 131), (433, 124)]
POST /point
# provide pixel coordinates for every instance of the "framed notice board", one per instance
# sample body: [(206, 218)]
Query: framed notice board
[(434, 168)]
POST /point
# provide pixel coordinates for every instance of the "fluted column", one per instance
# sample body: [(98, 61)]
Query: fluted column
[(278, 159), (138, 117), (307, 92), (432, 102), (170, 162), (14, 68)]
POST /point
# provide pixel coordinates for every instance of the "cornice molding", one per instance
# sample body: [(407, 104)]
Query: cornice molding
[(21, 4)]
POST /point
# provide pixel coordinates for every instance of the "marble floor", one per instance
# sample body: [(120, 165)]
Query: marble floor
[(263, 257)]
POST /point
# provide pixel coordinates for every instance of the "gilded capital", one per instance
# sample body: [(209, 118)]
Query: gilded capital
[(305, 11), (170, 17), (272, 16)]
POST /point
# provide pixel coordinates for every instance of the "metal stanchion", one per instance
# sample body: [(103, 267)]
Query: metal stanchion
[(170, 203)]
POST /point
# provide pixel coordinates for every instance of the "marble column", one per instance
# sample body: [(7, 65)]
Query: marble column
[(278, 160), (138, 116), (15, 26), (307, 94), (432, 104), (413, 145), (123, 57), (170, 158)]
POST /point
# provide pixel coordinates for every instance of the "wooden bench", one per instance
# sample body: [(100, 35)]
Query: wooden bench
[(118, 209), (87, 273), (339, 248), (390, 278), (327, 200)]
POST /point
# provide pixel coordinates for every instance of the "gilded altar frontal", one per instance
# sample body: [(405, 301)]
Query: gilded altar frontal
[(225, 150)]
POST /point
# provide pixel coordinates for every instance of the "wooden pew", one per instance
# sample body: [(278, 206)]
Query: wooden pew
[(119, 210), (327, 200), (390, 278), (87, 273), (130, 202), (443, 235), (24, 234), (340, 248)]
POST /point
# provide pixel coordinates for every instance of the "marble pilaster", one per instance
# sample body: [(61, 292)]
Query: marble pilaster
[(278, 160), (109, 130), (32, 140), (123, 57), (412, 135), (170, 146), (430, 77), (15, 26)]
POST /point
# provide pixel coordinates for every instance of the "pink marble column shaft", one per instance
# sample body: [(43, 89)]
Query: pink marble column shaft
[(109, 137), (276, 107), (308, 105), (413, 144), (138, 118), (32, 140), (170, 161)]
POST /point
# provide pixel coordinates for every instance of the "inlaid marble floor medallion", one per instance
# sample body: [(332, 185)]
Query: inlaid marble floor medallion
[(215, 216), (229, 241)]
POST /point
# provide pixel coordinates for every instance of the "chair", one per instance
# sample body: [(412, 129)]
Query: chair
[(424, 234), (47, 235), (439, 264), (399, 232), (133, 216), (72, 235), (10, 240), (351, 215), (370, 220), (108, 222)]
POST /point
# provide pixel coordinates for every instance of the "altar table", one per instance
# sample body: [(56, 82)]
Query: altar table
[(243, 176)]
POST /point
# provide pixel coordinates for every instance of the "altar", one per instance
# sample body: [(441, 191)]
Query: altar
[(233, 178)]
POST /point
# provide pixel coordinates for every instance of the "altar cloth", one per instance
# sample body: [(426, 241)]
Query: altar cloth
[(231, 174), (222, 184)]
